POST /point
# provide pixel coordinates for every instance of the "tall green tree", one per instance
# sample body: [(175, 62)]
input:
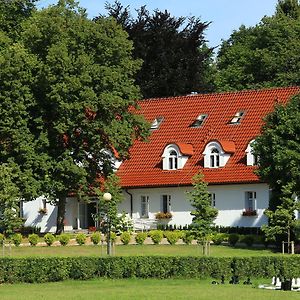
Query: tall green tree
[(80, 89), (265, 55), (279, 161), (203, 213), (176, 58)]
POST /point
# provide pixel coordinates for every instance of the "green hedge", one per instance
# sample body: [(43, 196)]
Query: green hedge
[(56, 269)]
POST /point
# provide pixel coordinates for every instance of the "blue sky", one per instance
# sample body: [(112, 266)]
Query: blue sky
[(225, 15)]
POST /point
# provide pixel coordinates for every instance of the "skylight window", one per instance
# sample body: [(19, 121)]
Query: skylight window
[(237, 117), (199, 121), (156, 123)]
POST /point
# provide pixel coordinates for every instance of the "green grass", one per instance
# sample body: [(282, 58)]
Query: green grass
[(141, 289), (133, 250)]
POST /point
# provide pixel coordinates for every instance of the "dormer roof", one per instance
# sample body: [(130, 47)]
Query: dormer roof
[(144, 168)]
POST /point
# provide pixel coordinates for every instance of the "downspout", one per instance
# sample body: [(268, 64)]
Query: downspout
[(131, 202)]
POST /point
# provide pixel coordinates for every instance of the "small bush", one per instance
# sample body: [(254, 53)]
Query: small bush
[(96, 238), (64, 239), (172, 237), (233, 238), (188, 237), (113, 237), (2, 239), (16, 239), (218, 238), (156, 236), (33, 239), (80, 239), (49, 239), (248, 240), (140, 238), (125, 237)]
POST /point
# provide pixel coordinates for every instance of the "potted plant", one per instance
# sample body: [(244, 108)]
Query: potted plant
[(249, 212), (42, 210), (163, 216)]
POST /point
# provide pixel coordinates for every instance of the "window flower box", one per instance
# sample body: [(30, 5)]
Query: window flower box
[(249, 212), (163, 216), (43, 211)]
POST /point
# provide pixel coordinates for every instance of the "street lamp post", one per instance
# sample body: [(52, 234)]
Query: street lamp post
[(107, 197)]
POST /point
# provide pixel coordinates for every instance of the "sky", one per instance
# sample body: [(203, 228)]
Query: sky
[(224, 15)]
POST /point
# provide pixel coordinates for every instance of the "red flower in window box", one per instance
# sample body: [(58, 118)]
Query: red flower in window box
[(249, 212), (92, 229)]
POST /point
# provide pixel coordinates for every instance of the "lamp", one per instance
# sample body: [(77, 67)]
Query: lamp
[(107, 197)]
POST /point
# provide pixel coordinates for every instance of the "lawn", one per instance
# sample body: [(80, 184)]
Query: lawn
[(141, 289), (133, 250)]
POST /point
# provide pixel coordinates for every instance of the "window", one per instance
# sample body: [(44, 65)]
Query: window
[(173, 160), (214, 158), (156, 123), (166, 203), (251, 158), (237, 117), (199, 121), (213, 199), (145, 206), (250, 204)]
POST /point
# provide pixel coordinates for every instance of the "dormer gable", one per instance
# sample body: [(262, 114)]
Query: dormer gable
[(217, 153), (175, 155), (250, 157)]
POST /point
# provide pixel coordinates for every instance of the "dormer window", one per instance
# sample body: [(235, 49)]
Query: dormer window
[(199, 121), (214, 158), (237, 117), (251, 158), (156, 123), (217, 153), (176, 155)]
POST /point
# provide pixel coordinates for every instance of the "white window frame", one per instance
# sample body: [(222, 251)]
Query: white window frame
[(250, 201), (252, 160), (173, 159), (214, 158), (165, 203), (213, 199), (199, 121), (144, 206), (237, 117)]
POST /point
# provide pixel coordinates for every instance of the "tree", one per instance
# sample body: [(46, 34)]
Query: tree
[(203, 214), (176, 59), (81, 93), (13, 13), (264, 55), (279, 161), (9, 200)]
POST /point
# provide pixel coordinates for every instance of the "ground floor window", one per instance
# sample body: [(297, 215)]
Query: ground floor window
[(166, 203), (250, 203), (213, 199), (145, 206)]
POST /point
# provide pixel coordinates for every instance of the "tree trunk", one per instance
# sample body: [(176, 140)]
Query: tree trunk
[(61, 210)]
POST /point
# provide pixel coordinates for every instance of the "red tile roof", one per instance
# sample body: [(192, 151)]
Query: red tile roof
[(144, 168)]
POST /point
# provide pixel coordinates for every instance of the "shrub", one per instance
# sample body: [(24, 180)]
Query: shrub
[(64, 239), (2, 239), (248, 240), (80, 239), (113, 237), (156, 236), (218, 238), (233, 238), (125, 237), (33, 239), (188, 237), (96, 238), (140, 238), (49, 239), (172, 237), (16, 239)]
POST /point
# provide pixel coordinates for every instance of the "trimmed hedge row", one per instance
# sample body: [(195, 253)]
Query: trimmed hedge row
[(31, 270)]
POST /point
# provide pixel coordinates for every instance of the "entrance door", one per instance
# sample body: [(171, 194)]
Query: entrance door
[(86, 213)]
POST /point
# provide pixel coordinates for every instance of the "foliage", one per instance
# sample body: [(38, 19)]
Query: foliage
[(2, 239), (140, 238), (156, 236), (264, 55), (218, 238), (16, 239), (96, 237), (80, 239), (176, 58), (33, 239), (248, 240), (67, 93), (9, 200), (279, 161), (203, 213), (64, 239), (49, 239), (188, 237), (113, 237), (125, 237), (233, 238), (172, 237), (124, 223), (163, 215)]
